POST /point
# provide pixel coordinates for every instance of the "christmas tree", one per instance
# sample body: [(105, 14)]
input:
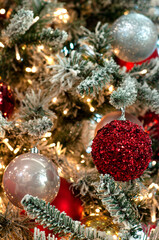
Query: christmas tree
[(79, 119)]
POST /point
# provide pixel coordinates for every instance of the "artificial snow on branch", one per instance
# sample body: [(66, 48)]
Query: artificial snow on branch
[(98, 42), (40, 235), (100, 76), (53, 38), (53, 219), (68, 72), (37, 127), (20, 23), (119, 206), (125, 95), (149, 96)]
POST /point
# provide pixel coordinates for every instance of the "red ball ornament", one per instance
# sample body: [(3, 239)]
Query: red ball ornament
[(130, 65), (6, 100), (68, 202), (114, 116), (122, 149)]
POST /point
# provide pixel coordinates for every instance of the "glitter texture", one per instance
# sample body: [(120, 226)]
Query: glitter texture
[(122, 149), (135, 37)]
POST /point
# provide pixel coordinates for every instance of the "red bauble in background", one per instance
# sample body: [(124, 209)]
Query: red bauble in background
[(65, 201), (115, 116), (6, 100), (122, 149), (130, 65), (68, 202), (151, 124)]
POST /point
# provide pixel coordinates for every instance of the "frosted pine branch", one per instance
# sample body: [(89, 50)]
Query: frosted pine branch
[(99, 40), (69, 72), (100, 76), (149, 96), (125, 95), (4, 125), (35, 105), (53, 219), (53, 38), (20, 23), (40, 235), (120, 208), (37, 127)]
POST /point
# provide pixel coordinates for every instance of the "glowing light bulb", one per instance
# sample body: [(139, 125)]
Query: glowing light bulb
[(62, 14), (92, 109), (153, 163), (65, 111), (36, 19), (144, 71), (1, 45), (48, 134), (2, 11), (97, 210), (28, 69), (88, 100), (153, 218), (111, 89), (83, 161), (34, 69), (54, 100)]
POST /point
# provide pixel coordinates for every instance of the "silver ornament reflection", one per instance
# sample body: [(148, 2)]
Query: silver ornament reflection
[(135, 37), (33, 174)]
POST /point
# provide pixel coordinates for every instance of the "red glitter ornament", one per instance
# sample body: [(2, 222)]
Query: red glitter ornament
[(6, 100), (122, 149), (68, 202)]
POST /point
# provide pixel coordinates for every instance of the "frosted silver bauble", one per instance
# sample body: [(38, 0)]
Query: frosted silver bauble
[(33, 174), (134, 37)]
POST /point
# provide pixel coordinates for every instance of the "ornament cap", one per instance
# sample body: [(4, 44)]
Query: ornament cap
[(34, 150)]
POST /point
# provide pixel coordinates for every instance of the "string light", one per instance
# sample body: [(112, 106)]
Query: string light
[(153, 163), (111, 89), (97, 210), (33, 69), (30, 81), (83, 161), (61, 14), (1, 45), (78, 168), (5, 141), (65, 111), (36, 19), (54, 100), (88, 100), (2, 11), (92, 109), (40, 47), (16, 150), (17, 54), (49, 60), (144, 71), (115, 237), (46, 135)]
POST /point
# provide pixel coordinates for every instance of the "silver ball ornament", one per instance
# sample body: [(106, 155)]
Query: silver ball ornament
[(33, 174), (134, 37)]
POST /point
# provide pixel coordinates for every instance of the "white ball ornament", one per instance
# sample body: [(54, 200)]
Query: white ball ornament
[(31, 173), (134, 37)]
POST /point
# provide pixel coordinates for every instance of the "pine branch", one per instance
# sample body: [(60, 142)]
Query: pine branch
[(119, 206), (149, 96), (100, 76), (99, 40), (53, 219), (125, 95)]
